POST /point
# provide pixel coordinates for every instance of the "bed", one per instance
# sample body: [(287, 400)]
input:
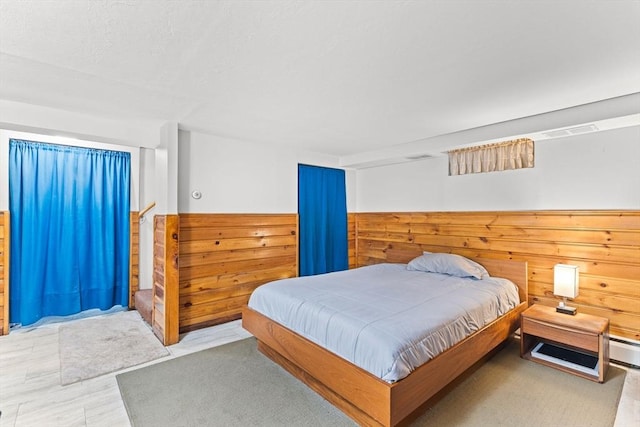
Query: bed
[(367, 398)]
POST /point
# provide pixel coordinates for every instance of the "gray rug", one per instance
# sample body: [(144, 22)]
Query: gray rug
[(235, 385), (95, 346)]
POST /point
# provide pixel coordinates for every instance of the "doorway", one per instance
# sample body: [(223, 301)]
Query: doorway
[(322, 211), (70, 227)]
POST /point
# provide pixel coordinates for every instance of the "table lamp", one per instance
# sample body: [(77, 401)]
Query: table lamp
[(565, 284)]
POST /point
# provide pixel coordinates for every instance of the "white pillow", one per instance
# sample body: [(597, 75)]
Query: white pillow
[(451, 264)]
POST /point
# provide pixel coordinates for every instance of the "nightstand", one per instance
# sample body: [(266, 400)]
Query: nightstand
[(576, 344)]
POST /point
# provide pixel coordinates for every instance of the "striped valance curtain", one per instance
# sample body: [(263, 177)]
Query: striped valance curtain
[(514, 154)]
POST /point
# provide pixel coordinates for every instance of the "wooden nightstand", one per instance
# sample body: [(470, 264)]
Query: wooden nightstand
[(577, 344)]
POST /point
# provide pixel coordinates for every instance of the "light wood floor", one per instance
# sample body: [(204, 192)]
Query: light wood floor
[(31, 394), (30, 390)]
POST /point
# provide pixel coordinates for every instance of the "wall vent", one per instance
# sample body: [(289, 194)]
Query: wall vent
[(556, 133), (419, 157), (577, 130), (582, 129)]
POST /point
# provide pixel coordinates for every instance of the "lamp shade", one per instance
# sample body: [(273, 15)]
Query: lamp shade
[(565, 280)]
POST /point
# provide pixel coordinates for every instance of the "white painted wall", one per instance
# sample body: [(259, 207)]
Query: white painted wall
[(56, 122), (166, 170), (591, 171), (147, 196), (242, 177)]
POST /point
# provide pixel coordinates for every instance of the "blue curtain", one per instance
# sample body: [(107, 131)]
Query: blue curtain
[(69, 230), (322, 211)]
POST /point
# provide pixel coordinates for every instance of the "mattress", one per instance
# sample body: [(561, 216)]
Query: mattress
[(384, 318)]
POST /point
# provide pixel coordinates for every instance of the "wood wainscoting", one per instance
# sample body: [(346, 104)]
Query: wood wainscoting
[(224, 257), (134, 257), (165, 278), (604, 244), (4, 272), (351, 239)]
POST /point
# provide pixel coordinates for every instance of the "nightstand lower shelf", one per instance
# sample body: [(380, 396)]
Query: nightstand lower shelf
[(575, 344), (566, 357)]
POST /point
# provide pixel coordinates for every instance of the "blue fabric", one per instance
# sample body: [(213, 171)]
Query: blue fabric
[(322, 211), (69, 230)]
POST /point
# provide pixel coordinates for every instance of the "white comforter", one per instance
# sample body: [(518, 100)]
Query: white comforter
[(384, 318)]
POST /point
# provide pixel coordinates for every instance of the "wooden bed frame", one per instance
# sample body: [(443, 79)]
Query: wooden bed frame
[(362, 396)]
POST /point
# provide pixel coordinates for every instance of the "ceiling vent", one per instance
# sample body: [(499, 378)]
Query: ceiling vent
[(582, 129), (419, 157), (577, 130)]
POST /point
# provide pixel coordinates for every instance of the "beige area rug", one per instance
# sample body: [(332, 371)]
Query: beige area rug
[(235, 385), (95, 346)]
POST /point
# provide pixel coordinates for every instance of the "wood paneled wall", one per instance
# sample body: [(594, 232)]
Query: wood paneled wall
[(4, 272), (351, 239), (165, 278), (604, 244), (224, 257), (134, 257)]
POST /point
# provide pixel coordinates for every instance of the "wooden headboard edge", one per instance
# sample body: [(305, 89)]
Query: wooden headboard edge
[(516, 271)]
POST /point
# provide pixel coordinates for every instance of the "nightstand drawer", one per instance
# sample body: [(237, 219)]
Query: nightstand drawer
[(571, 337)]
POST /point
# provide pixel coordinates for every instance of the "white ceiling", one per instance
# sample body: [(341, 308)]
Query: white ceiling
[(336, 77)]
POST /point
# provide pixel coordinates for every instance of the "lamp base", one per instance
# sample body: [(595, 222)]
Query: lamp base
[(567, 310)]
